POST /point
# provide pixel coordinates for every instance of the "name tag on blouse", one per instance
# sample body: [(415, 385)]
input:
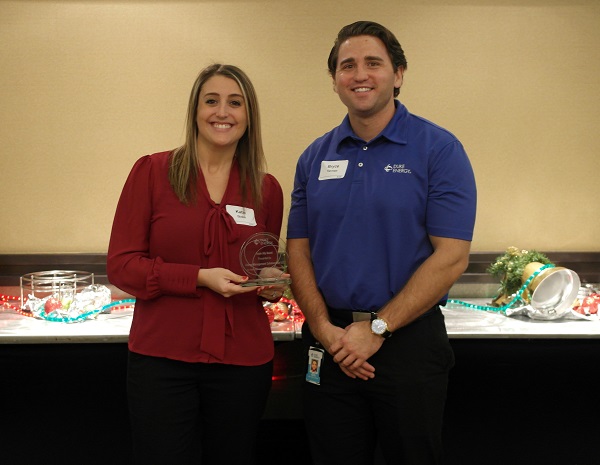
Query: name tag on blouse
[(335, 169), (241, 215)]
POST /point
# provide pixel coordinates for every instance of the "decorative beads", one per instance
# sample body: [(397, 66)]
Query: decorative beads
[(113, 306), (516, 298), (6, 299)]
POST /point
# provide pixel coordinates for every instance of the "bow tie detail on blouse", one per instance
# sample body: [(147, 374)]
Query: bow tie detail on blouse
[(220, 229), (217, 222)]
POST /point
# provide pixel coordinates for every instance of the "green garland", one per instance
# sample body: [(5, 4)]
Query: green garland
[(510, 266), (516, 299)]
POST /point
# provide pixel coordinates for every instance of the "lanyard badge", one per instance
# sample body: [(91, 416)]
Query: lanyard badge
[(315, 359)]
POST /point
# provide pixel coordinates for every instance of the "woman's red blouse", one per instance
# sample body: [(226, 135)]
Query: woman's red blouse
[(157, 247)]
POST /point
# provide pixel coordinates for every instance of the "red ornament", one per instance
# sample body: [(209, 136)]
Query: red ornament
[(51, 305), (280, 310), (270, 314), (589, 306)]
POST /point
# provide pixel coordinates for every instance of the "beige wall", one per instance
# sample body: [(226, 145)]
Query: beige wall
[(86, 87)]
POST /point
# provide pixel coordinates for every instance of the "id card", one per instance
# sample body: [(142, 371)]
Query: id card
[(315, 359)]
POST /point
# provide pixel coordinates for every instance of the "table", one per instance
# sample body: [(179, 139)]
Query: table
[(461, 323), (522, 391), (466, 323), (113, 327)]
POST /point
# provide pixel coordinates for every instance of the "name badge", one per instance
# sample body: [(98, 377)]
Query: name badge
[(241, 215), (315, 359), (335, 169)]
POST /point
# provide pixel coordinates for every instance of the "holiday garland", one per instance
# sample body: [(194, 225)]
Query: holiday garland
[(510, 266)]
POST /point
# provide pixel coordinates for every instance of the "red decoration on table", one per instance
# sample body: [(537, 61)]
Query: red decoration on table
[(589, 305), (52, 304), (270, 313)]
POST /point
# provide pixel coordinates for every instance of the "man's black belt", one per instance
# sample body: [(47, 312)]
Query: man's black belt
[(343, 317)]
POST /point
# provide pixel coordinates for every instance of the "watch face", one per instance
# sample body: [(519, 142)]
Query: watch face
[(378, 326)]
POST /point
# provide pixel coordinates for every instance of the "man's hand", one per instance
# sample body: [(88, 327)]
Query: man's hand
[(352, 350)]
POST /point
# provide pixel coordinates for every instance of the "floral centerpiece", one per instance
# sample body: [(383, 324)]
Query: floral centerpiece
[(510, 267)]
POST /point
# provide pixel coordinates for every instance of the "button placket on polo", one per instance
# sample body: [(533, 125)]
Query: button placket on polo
[(360, 163)]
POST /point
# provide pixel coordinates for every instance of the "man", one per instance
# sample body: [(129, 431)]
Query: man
[(382, 215)]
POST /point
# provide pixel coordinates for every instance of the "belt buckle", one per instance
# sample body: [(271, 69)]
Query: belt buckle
[(361, 316)]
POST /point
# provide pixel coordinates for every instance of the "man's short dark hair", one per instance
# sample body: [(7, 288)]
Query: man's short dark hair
[(368, 28)]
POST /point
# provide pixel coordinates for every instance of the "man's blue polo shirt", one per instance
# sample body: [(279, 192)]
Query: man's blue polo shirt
[(368, 208)]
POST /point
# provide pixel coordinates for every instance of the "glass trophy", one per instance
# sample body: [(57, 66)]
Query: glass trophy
[(264, 260)]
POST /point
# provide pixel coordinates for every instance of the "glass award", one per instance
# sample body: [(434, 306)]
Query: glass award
[(264, 260)]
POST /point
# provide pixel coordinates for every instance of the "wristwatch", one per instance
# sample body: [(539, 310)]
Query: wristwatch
[(379, 326)]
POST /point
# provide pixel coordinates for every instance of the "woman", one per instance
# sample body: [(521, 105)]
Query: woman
[(200, 345)]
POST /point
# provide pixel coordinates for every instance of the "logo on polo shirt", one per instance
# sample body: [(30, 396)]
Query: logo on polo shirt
[(402, 169)]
